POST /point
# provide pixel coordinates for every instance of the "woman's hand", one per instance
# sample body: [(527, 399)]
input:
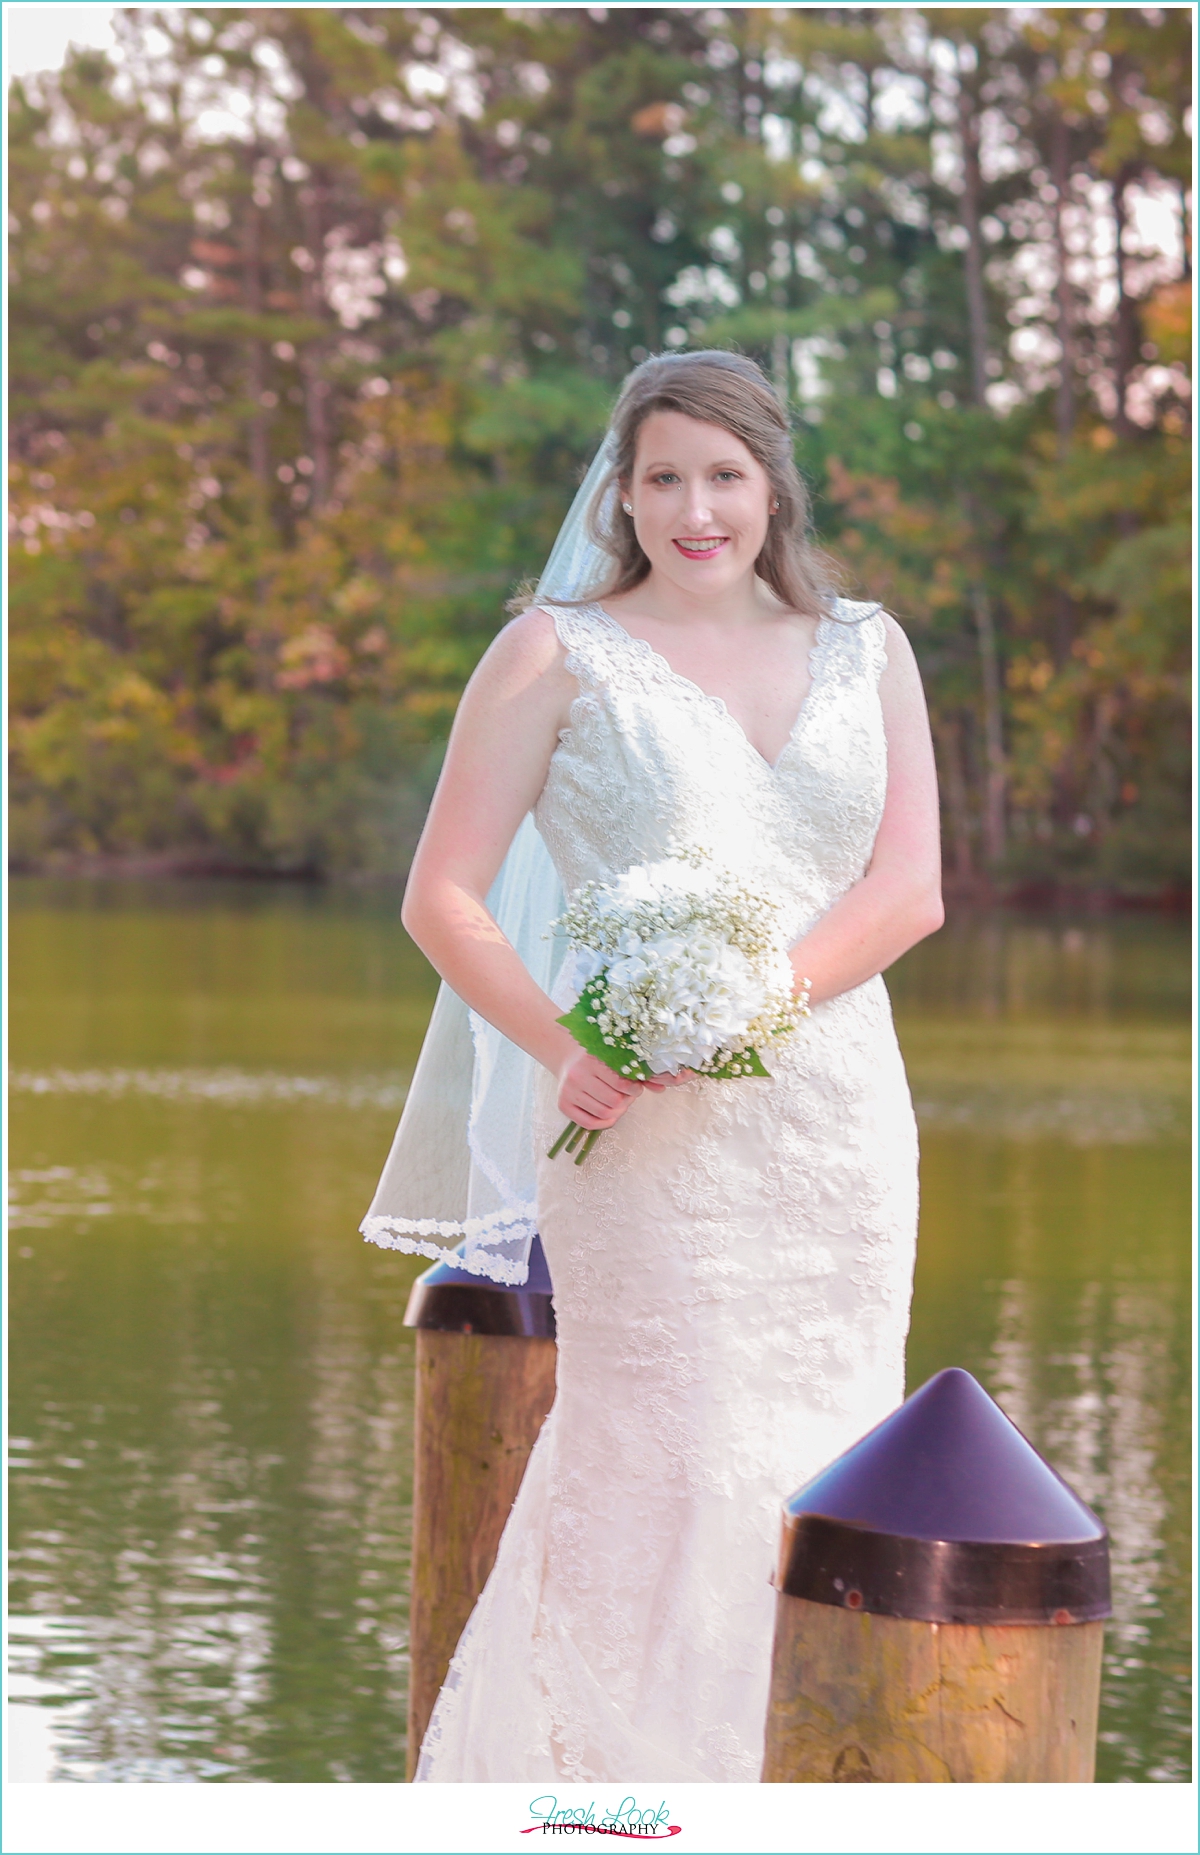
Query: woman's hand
[(590, 1093), (593, 1095)]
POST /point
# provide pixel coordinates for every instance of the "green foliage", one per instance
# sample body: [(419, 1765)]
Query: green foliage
[(746, 1063), (317, 315), (581, 1022)]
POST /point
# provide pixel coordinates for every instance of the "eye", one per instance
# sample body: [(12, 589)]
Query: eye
[(730, 476), (665, 476)]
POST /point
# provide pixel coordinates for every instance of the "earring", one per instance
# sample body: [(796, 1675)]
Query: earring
[(628, 507), (774, 509)]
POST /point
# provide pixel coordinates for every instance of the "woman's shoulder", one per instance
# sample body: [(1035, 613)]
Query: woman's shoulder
[(580, 639), (525, 662), (536, 628)]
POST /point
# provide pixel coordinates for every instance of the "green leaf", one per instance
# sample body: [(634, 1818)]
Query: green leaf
[(748, 1063), (589, 1035)]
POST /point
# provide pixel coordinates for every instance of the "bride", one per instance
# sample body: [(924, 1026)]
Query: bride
[(732, 1266)]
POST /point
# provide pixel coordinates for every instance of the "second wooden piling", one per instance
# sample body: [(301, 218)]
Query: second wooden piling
[(939, 1618), (885, 1700)]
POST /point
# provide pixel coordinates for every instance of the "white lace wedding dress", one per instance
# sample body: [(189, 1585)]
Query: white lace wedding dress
[(732, 1265)]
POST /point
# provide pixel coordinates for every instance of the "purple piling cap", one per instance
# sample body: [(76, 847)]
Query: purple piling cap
[(945, 1513)]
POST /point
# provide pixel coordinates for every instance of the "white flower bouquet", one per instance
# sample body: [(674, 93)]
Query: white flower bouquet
[(683, 966)]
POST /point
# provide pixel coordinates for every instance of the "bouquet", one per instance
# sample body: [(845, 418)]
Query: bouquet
[(683, 967)]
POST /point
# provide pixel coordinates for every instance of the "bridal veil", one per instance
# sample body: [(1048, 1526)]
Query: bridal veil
[(461, 1168)]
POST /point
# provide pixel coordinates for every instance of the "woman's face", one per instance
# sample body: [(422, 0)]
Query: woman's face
[(701, 502)]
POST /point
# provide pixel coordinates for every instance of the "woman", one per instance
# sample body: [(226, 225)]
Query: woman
[(732, 1266)]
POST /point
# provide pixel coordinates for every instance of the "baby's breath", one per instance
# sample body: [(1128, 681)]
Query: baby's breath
[(688, 966)]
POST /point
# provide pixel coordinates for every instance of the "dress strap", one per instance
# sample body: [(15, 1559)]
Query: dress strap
[(592, 641), (853, 646)]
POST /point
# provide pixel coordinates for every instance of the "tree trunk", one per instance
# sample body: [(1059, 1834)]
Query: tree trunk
[(993, 727), (316, 387), (257, 367), (1126, 333), (973, 256), (1185, 233), (1064, 399), (1064, 626), (1102, 783), (779, 366), (954, 785), (1064, 403)]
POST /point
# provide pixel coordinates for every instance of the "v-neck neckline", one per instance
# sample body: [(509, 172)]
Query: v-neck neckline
[(644, 647)]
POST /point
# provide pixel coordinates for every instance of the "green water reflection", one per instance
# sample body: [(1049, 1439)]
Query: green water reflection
[(211, 1387)]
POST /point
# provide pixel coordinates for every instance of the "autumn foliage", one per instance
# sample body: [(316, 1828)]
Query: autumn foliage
[(317, 315)]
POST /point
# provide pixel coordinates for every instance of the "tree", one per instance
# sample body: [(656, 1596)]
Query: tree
[(317, 315)]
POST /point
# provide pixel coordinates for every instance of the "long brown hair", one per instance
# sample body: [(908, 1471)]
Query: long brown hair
[(717, 388)]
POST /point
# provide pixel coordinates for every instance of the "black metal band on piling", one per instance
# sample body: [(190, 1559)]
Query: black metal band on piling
[(485, 1381), (942, 1580), (449, 1300), (940, 1613)]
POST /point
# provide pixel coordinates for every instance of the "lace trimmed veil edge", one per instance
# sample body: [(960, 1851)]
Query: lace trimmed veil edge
[(462, 1167)]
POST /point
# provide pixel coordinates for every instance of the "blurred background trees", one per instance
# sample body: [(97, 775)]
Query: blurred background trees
[(317, 315)]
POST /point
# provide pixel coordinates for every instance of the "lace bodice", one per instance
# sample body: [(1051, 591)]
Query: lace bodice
[(649, 758)]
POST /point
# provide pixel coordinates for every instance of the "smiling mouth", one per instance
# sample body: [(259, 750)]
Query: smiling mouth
[(699, 549)]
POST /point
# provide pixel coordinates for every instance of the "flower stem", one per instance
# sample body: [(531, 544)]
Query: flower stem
[(588, 1144), (570, 1138), (567, 1131)]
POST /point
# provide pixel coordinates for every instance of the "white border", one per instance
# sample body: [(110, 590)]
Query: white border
[(476, 1819)]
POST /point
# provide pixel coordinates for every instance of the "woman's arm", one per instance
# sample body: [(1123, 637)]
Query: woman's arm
[(500, 746), (899, 900)]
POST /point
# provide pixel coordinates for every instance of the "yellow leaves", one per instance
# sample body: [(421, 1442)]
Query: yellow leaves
[(1167, 319), (314, 657), (1033, 673), (946, 588), (867, 498), (916, 556), (131, 694), (658, 120), (359, 596), (431, 705)]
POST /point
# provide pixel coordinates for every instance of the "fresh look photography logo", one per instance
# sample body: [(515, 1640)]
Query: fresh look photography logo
[(628, 1818)]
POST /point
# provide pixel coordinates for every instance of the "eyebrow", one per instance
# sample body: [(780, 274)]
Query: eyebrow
[(722, 463)]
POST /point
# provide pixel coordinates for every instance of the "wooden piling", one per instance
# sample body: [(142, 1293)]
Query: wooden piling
[(860, 1699), (481, 1401), (484, 1384), (941, 1593)]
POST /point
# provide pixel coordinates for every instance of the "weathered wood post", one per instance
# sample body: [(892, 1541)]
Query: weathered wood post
[(939, 1613), (485, 1381)]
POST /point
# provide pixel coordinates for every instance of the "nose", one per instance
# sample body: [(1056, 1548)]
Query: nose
[(699, 505)]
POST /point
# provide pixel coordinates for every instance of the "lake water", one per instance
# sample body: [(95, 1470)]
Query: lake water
[(211, 1388)]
